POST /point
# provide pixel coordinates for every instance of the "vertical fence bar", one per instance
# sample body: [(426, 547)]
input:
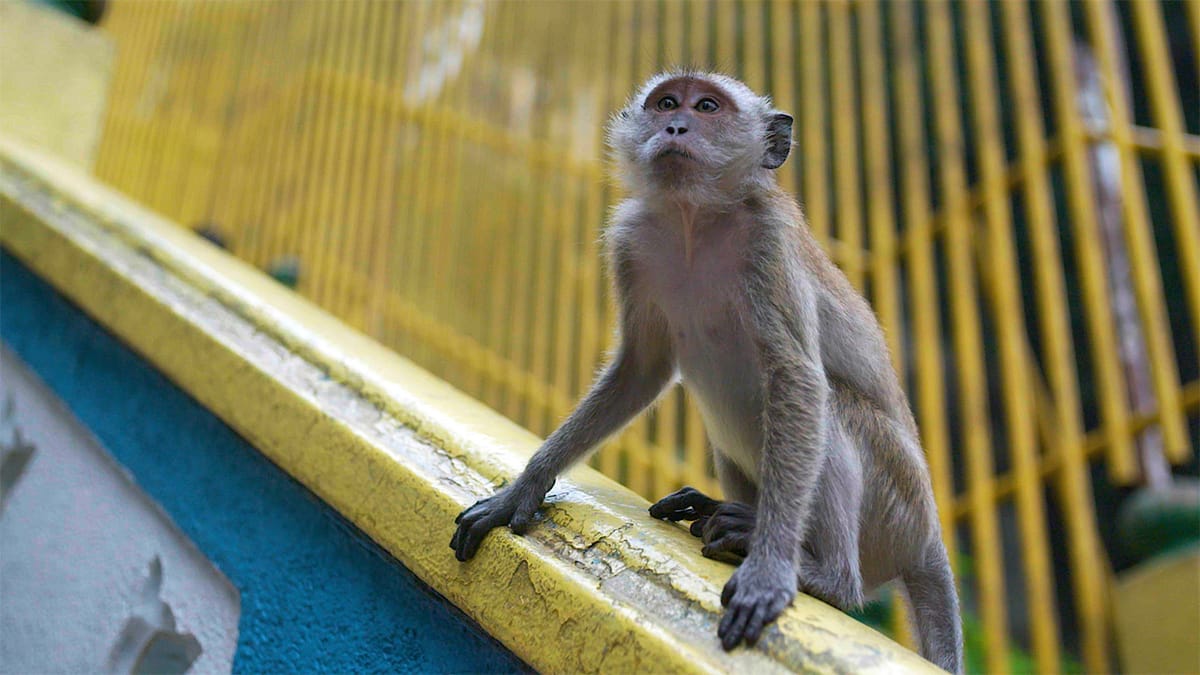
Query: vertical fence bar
[(383, 180), (1009, 316), (923, 297), (846, 184), (1140, 240), (1180, 175), (623, 75), (1086, 553), (1088, 253), (783, 77), (292, 152), (813, 134), (237, 179), (975, 424)]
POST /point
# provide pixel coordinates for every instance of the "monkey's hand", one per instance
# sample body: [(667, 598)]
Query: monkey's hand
[(513, 506), (755, 595)]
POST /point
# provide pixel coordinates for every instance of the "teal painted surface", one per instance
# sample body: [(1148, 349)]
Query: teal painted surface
[(317, 595)]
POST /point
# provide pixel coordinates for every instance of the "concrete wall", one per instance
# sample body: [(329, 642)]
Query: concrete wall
[(316, 595), (90, 568)]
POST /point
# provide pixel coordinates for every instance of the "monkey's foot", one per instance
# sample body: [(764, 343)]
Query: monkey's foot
[(685, 504), (726, 533)]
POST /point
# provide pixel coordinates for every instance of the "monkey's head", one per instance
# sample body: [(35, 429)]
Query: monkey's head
[(703, 135)]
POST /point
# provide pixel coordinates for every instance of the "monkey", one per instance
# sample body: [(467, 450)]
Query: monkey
[(720, 285)]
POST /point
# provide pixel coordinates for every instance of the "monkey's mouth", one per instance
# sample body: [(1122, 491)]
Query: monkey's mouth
[(672, 151)]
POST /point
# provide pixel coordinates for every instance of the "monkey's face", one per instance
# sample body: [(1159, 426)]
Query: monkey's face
[(688, 131)]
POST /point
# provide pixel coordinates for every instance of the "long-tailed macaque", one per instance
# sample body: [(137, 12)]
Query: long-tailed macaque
[(722, 286)]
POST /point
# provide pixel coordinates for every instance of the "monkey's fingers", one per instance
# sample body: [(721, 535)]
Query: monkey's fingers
[(470, 535), (730, 548), (474, 524), (733, 625), (748, 614), (697, 528), (685, 504)]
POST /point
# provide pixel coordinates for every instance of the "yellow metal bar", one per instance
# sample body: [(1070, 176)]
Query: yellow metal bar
[(400, 259), (930, 395), (885, 283), (180, 76), (419, 218), (150, 142), (726, 45), (330, 223), (548, 231), (502, 294), (1086, 552), (267, 363), (240, 185), (566, 304), (1180, 173), (518, 406), (281, 145), (147, 21), (845, 139), (591, 289), (1009, 318), (1143, 259), (384, 189), (813, 135), (378, 158), (120, 20), (1193, 12), (674, 28), (447, 198), (203, 121), (967, 336), (753, 41), (700, 46), (348, 205), (783, 79), (1110, 382), (315, 184)]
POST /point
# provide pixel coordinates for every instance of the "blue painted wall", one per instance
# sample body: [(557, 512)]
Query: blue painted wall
[(317, 595)]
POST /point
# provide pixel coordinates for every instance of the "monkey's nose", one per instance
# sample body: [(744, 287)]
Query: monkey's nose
[(677, 129)]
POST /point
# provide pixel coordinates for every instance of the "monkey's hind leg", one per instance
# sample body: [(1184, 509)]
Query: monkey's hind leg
[(830, 567)]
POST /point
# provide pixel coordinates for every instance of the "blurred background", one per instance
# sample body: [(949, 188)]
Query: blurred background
[(1012, 185)]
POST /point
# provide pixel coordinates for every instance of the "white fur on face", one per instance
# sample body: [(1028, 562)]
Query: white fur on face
[(727, 160)]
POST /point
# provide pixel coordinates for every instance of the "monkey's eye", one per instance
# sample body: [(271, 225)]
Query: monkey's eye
[(667, 103), (707, 105)]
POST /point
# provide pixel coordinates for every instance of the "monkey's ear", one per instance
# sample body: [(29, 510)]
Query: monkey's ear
[(779, 139)]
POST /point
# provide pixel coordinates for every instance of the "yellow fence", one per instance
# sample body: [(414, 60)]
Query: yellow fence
[(436, 169)]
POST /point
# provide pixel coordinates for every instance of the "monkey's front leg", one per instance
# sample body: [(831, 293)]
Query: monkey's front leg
[(793, 452), (630, 383)]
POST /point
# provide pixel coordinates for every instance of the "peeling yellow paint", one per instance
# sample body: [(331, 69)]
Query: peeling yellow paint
[(597, 586)]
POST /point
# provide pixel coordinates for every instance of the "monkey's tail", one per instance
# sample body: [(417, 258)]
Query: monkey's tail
[(933, 603)]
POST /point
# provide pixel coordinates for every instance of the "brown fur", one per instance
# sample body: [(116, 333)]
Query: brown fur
[(721, 285)]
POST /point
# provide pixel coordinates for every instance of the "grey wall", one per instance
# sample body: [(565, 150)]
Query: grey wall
[(78, 541)]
